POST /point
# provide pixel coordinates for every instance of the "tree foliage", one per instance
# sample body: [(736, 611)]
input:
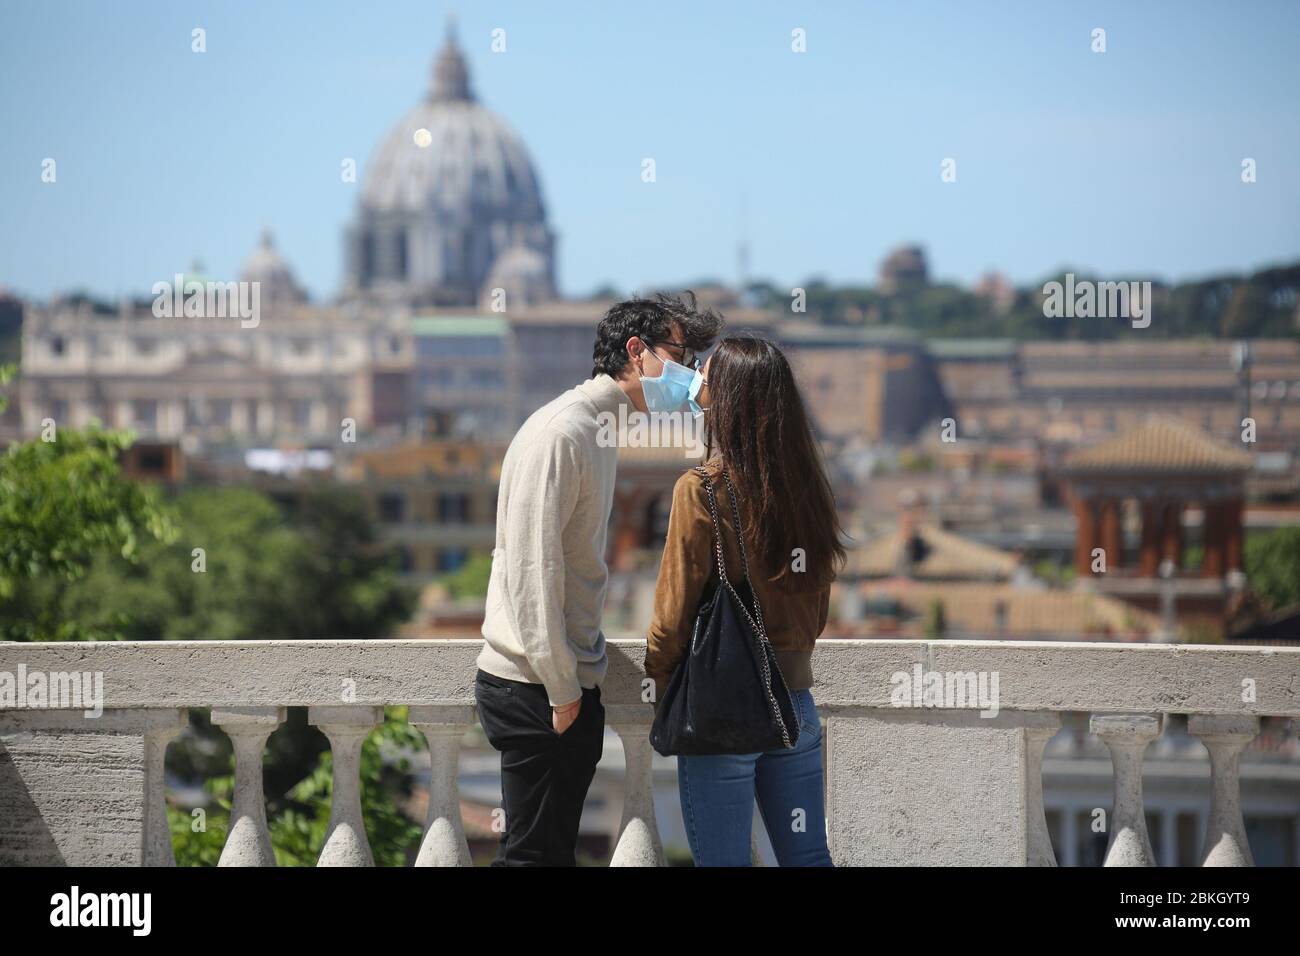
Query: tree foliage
[(63, 504), (1273, 566), (232, 566), (470, 580), (1261, 305)]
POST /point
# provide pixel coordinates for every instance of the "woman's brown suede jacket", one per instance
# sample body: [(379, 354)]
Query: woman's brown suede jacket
[(793, 620)]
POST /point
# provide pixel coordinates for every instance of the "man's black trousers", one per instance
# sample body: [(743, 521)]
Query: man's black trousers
[(544, 775)]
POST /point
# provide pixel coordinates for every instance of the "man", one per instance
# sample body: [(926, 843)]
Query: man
[(543, 659)]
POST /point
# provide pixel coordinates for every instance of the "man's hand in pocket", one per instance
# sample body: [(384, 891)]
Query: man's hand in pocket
[(563, 717)]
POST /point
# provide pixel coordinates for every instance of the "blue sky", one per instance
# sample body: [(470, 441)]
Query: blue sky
[(1123, 162)]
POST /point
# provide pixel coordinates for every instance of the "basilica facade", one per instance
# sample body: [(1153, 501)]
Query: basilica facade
[(448, 250)]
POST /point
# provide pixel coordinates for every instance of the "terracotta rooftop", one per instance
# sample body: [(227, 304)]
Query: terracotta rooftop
[(445, 458), (1163, 445), (949, 557), (972, 607)]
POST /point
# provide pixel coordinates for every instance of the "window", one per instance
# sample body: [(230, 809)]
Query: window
[(145, 413), (367, 257), (152, 461), (451, 559), (392, 507), (400, 243), (58, 346), (453, 508)]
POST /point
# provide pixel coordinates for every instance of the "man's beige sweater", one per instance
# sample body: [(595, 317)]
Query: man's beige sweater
[(547, 589)]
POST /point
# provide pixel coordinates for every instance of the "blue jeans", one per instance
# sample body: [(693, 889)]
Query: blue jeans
[(718, 794)]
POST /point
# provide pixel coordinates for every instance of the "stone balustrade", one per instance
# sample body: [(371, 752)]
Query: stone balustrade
[(916, 784)]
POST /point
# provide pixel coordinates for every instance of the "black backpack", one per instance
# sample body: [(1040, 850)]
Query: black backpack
[(727, 696)]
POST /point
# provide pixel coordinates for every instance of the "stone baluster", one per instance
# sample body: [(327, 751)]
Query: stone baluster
[(1038, 732), (160, 728), (1225, 737), (248, 841), (1126, 737), (347, 728), (444, 841), (638, 841)]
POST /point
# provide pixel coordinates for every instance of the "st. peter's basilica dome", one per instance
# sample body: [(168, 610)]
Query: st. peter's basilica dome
[(437, 211)]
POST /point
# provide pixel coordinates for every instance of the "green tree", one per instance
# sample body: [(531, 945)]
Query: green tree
[(345, 581), (1273, 566), (237, 567), (7, 372), (470, 580), (63, 503)]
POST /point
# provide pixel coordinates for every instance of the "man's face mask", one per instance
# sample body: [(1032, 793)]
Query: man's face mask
[(670, 390)]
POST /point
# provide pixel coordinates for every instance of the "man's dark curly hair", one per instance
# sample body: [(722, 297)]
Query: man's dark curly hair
[(651, 320)]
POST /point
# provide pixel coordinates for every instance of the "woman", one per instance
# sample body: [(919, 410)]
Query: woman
[(757, 430)]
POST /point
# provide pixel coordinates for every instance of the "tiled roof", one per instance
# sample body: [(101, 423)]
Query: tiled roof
[(456, 458), (973, 608), (949, 557), (1160, 444)]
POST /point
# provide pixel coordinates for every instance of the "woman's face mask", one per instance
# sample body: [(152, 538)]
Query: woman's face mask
[(693, 392)]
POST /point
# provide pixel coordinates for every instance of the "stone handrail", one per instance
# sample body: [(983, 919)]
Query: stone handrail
[(924, 783)]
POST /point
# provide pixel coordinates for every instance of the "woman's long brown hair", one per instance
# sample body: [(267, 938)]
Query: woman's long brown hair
[(759, 430)]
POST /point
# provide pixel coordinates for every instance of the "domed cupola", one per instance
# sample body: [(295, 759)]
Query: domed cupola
[(276, 280), (524, 277), (450, 188)]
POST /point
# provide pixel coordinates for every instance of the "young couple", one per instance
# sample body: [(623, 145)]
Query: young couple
[(544, 658)]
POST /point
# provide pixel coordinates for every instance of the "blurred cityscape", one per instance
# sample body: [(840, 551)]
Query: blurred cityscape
[(976, 474), (981, 453)]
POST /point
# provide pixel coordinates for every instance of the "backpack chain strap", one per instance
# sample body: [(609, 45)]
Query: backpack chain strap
[(758, 625)]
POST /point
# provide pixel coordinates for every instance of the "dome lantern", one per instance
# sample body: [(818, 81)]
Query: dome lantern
[(450, 72), (276, 280)]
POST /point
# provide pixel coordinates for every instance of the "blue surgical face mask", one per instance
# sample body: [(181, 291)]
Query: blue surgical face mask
[(692, 392), (669, 392)]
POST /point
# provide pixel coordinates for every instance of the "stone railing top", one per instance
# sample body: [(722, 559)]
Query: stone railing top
[(1031, 675)]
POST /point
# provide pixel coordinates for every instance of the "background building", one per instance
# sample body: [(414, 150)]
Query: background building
[(440, 215)]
